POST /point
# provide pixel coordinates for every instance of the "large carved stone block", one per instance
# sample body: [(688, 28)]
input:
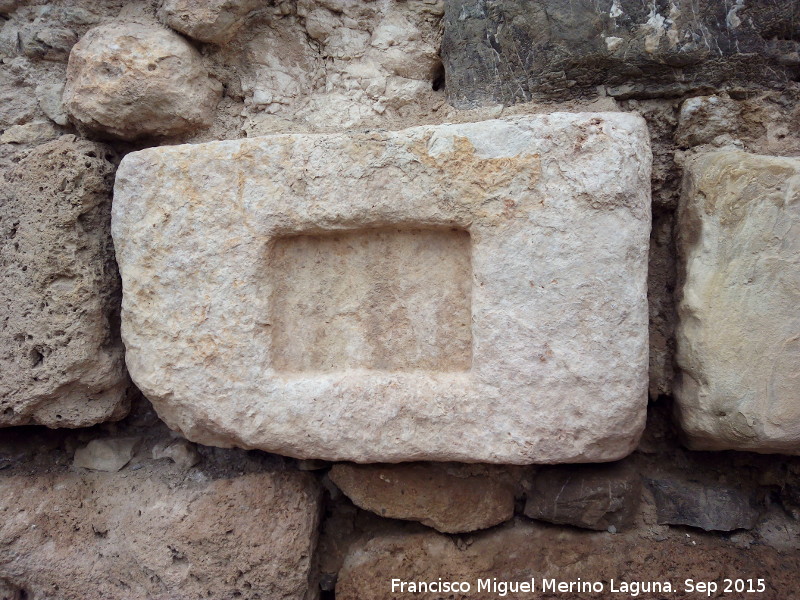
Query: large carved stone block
[(739, 333), (469, 292)]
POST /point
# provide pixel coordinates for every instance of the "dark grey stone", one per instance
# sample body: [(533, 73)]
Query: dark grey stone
[(712, 507), (509, 51), (591, 496)]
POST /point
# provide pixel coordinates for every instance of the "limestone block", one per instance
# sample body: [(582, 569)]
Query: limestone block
[(738, 338), (128, 80), (102, 536), (61, 358), (215, 21), (470, 292), (452, 498)]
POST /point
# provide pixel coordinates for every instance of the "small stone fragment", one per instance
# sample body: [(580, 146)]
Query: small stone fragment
[(600, 497), (47, 43), (181, 452), (106, 455), (450, 498), (738, 347), (719, 508), (129, 80), (30, 133), (703, 118), (214, 21), (49, 96)]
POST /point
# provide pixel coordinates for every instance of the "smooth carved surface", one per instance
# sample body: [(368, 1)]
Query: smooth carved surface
[(738, 385), (389, 300), (557, 209)]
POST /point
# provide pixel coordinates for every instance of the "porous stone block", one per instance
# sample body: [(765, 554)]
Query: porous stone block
[(61, 358), (738, 337), (149, 536), (494, 563), (470, 292)]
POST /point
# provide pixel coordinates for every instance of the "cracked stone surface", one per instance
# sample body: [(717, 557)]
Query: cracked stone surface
[(536, 228), (510, 51)]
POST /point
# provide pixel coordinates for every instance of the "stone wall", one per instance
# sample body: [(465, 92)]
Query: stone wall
[(377, 346)]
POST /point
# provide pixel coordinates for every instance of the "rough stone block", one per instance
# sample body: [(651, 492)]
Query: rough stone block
[(520, 551), (452, 498), (61, 359), (738, 336), (596, 497), (469, 292), (710, 507), (509, 51), (128, 81), (140, 536)]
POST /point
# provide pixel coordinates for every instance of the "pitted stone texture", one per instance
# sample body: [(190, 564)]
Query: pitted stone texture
[(61, 358), (453, 498), (739, 330), (215, 21), (128, 80), (101, 536), (557, 213)]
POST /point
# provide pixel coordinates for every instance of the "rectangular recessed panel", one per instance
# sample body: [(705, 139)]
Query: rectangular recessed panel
[(470, 292), (388, 299)]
